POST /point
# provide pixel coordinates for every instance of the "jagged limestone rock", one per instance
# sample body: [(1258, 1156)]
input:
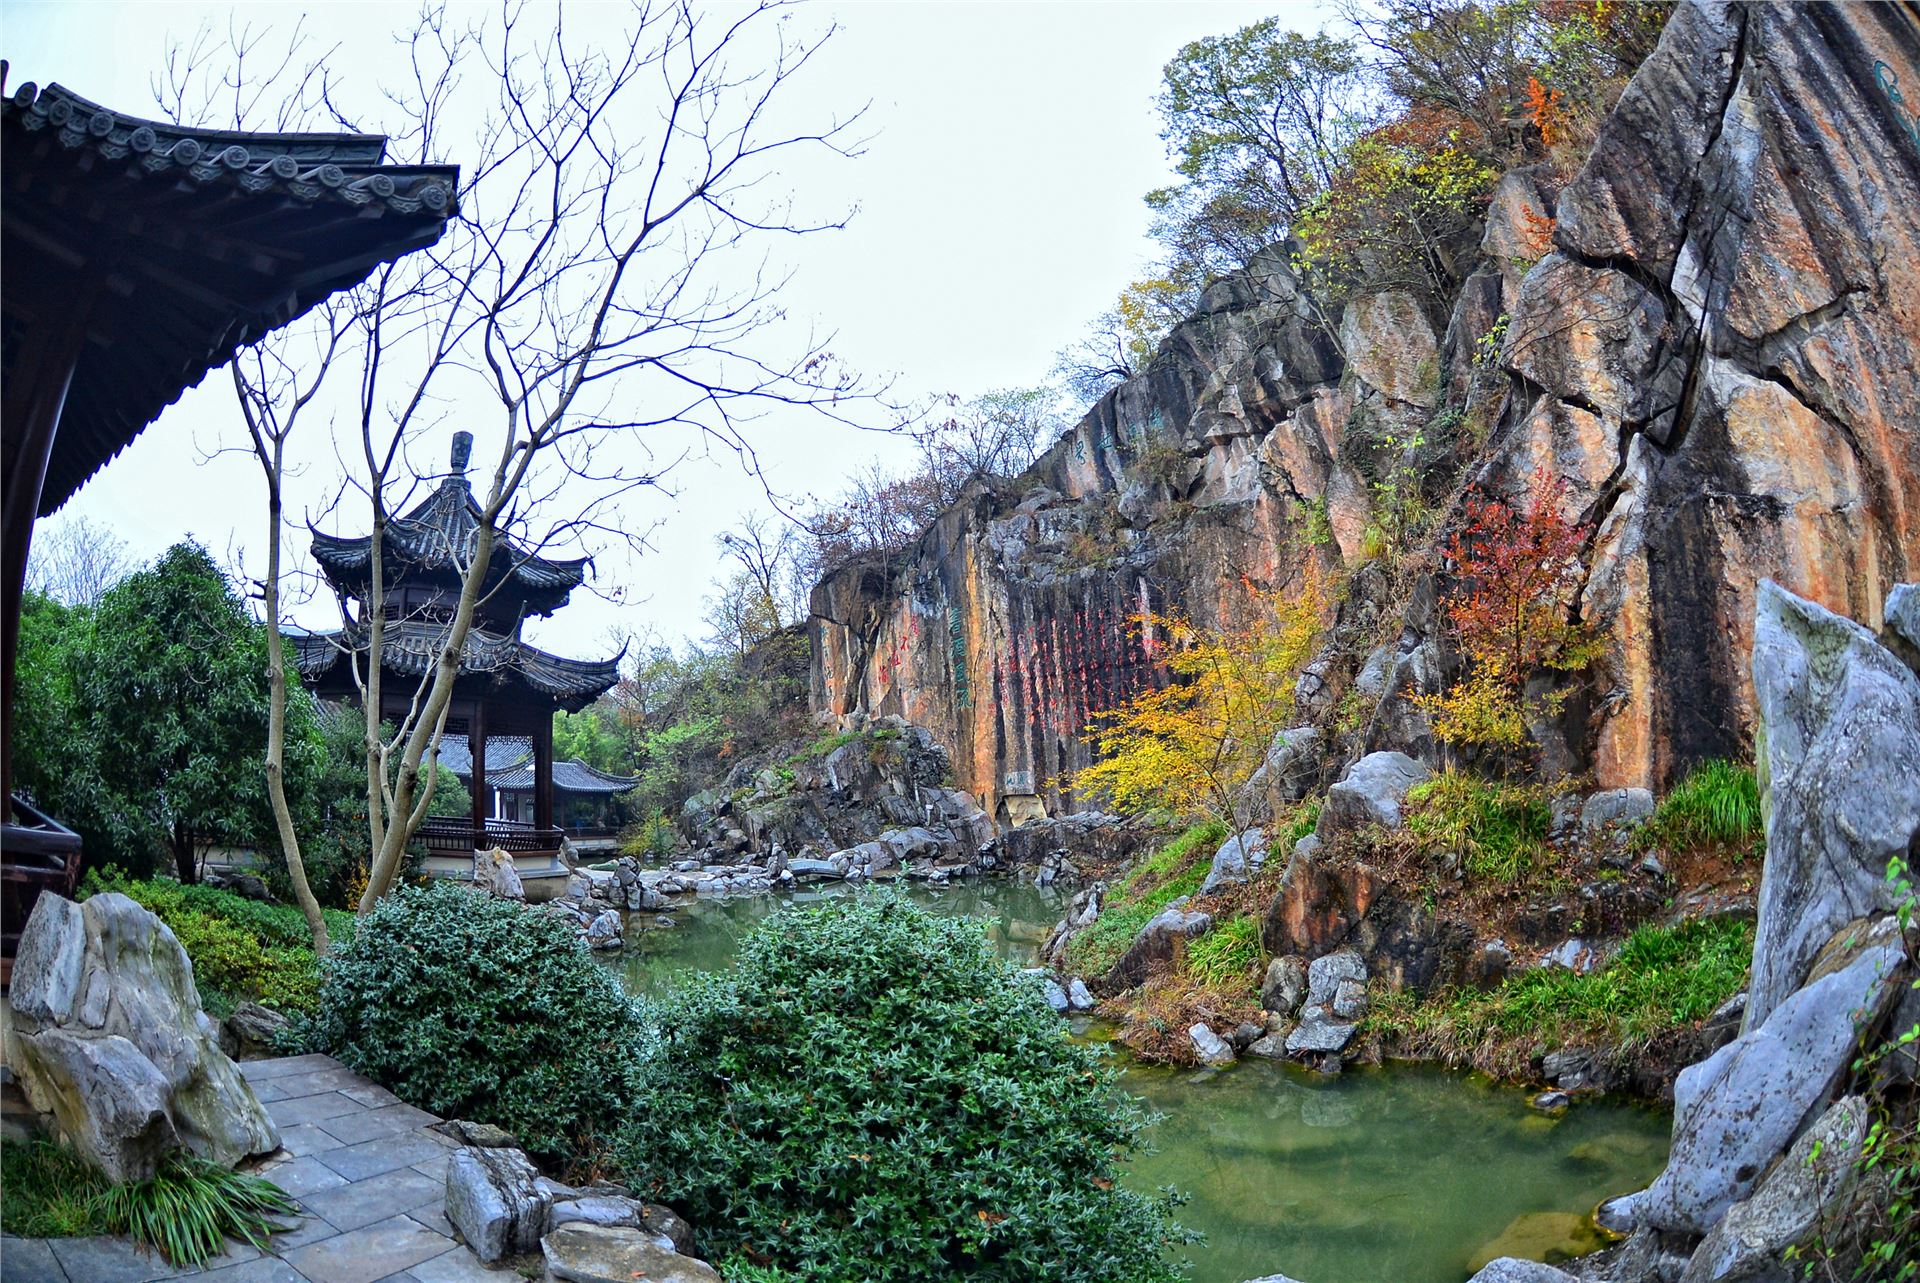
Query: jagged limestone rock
[(494, 872), (1238, 859), (1371, 793), (1153, 944), (1806, 1184), (495, 1199), (111, 1042), (1840, 766), (1209, 1047), (1734, 1112), (1284, 985)]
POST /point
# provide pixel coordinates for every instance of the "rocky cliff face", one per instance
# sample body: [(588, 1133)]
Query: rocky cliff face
[(1714, 353)]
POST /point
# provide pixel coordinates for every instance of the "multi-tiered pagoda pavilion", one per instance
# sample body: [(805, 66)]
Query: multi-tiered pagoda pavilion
[(506, 687)]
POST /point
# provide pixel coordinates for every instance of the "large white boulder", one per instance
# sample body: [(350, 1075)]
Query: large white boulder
[(1804, 1186), (1238, 859), (112, 1046), (1734, 1112), (1371, 793), (1839, 758)]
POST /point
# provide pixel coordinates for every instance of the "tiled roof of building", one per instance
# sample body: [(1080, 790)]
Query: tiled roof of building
[(439, 534), (411, 648), (218, 238)]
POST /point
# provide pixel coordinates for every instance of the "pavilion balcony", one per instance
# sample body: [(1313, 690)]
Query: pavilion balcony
[(450, 845), (462, 837)]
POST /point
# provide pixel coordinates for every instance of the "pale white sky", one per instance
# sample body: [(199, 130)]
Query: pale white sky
[(999, 209)]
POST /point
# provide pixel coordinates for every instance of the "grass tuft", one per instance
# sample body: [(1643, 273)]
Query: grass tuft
[(1662, 978), (1227, 958), (1500, 830), (186, 1210), (1717, 804)]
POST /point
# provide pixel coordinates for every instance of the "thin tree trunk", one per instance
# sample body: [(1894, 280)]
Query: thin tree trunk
[(408, 810), (277, 716), (184, 866)]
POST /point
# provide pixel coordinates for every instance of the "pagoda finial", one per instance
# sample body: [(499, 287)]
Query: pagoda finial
[(462, 451)]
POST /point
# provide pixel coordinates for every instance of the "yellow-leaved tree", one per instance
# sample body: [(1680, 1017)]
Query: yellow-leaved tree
[(1192, 746)]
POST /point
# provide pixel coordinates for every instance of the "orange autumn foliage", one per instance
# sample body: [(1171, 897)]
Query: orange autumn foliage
[(1510, 615), (1546, 108)]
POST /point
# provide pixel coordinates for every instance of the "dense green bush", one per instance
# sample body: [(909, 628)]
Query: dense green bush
[(480, 1008), (873, 1095), (239, 948)]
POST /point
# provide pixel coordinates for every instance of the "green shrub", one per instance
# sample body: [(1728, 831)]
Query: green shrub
[(240, 948), (651, 839), (480, 1008), (1717, 804), (1499, 830), (872, 1094), (1227, 956)]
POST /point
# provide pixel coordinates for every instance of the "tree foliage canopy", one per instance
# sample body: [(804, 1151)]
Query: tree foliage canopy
[(140, 720)]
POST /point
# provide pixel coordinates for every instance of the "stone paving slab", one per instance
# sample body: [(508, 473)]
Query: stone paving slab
[(368, 1170)]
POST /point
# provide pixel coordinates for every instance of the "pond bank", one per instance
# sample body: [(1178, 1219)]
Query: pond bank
[(1319, 1177)]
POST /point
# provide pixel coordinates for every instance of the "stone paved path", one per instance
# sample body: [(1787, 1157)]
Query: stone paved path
[(369, 1171)]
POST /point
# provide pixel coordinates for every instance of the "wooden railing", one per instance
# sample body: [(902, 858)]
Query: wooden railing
[(38, 854), (459, 837)]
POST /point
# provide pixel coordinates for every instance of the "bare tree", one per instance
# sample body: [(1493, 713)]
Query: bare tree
[(606, 279), (764, 550), (272, 397), (283, 86), (75, 560)]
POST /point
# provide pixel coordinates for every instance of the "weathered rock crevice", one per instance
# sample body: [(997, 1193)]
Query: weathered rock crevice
[(1714, 361)]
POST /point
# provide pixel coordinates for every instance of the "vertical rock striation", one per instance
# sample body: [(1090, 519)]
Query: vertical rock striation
[(1714, 355)]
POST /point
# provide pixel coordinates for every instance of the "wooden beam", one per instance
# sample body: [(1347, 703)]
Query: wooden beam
[(477, 739), (543, 773), (35, 394)]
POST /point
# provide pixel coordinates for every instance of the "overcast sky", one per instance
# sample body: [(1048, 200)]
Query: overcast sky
[(999, 209)]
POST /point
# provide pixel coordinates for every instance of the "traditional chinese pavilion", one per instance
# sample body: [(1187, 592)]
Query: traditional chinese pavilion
[(583, 796), (505, 688), (137, 256)]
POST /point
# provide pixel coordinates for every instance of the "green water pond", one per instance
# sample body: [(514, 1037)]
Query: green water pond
[(1402, 1174)]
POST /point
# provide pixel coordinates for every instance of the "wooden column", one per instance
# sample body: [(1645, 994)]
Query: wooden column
[(36, 391), (543, 772), (477, 739)]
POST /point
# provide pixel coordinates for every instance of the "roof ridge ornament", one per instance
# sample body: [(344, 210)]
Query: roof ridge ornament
[(462, 452)]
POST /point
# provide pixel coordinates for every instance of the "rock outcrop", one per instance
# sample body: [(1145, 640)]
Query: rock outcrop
[(1760, 1143), (112, 1047), (1840, 756), (1712, 362)]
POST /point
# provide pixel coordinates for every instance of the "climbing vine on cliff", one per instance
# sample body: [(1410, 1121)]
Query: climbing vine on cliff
[(1517, 570)]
